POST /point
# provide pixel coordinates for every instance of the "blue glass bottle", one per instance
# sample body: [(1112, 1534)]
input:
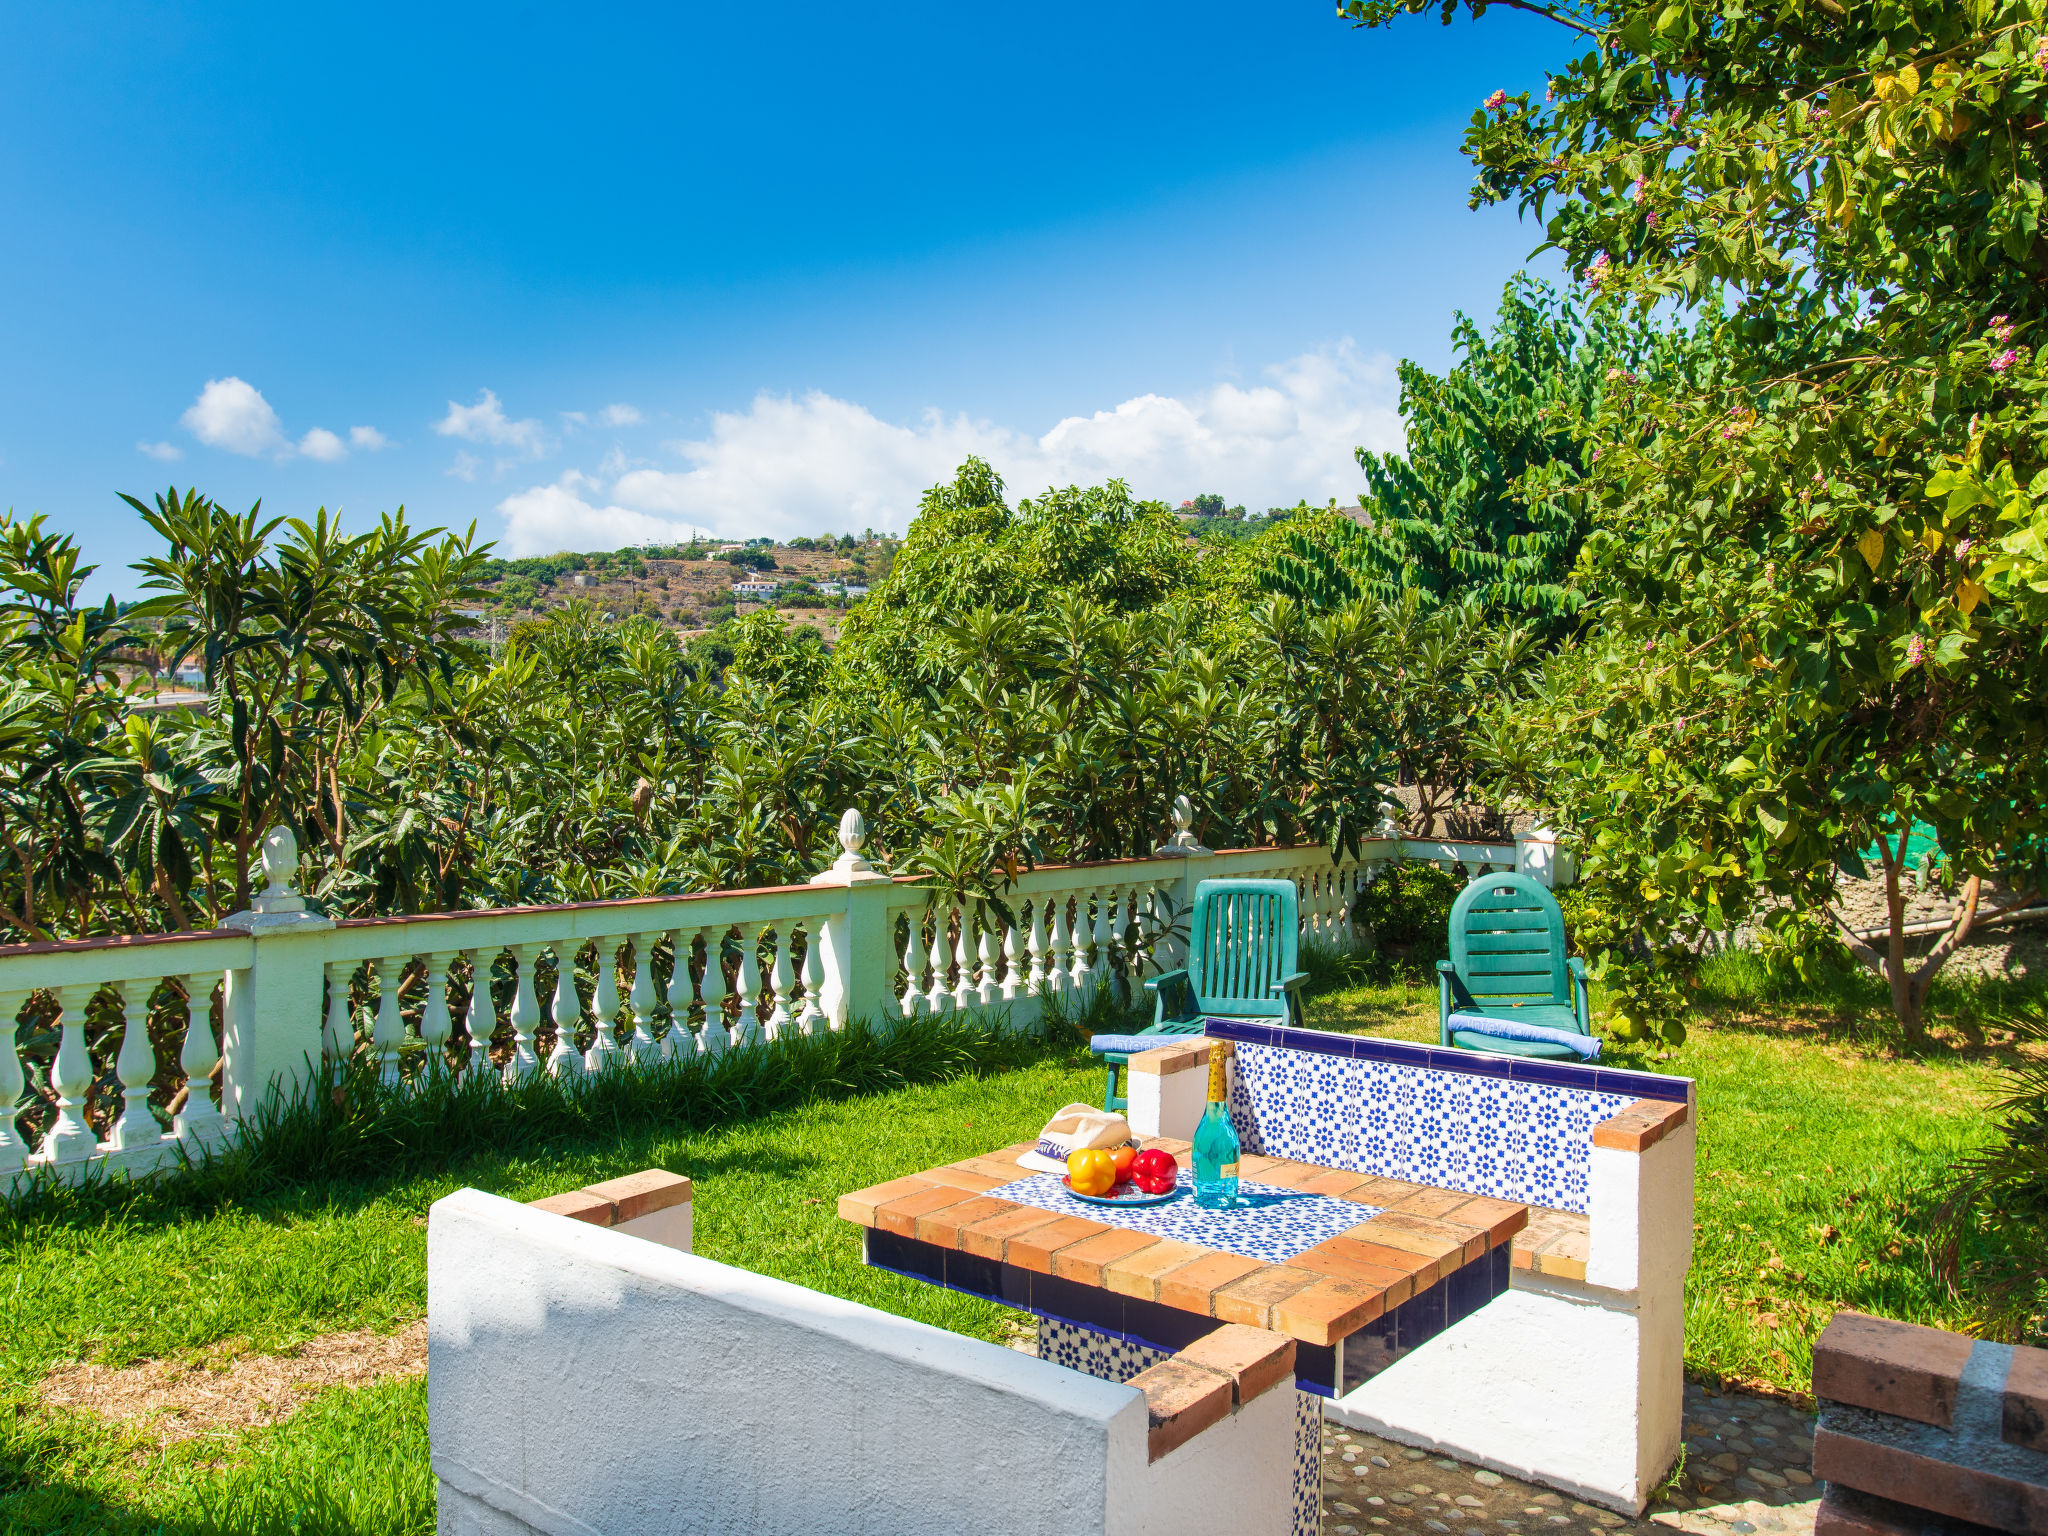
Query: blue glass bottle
[(1216, 1143)]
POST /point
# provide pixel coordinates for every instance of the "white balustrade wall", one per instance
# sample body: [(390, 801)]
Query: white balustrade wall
[(133, 1054)]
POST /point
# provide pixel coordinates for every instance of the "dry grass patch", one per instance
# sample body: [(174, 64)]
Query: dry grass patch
[(226, 1390)]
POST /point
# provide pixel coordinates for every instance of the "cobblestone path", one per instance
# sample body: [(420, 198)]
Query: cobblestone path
[(1748, 1468)]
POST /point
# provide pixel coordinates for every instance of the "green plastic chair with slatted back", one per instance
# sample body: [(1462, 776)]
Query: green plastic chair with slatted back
[(1508, 962), (1242, 938)]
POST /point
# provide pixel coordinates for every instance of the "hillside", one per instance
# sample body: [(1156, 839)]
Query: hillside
[(683, 587)]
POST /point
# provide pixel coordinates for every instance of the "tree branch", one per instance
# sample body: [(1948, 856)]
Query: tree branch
[(1858, 947)]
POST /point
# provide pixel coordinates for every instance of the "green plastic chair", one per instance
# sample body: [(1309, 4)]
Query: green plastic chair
[(1241, 965), (1508, 961)]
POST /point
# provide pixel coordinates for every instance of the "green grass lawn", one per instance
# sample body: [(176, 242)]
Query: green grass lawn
[(116, 1283), (1820, 1148)]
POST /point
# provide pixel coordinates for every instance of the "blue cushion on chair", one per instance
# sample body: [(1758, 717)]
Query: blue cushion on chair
[(1127, 1045)]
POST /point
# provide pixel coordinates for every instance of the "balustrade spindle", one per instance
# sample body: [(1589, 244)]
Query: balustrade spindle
[(811, 1020), (480, 1018), (198, 1123), (568, 1012), (435, 1024), (525, 1018), (1035, 984), (604, 1045), (912, 964), (387, 1038), (1059, 976), (939, 1000), (965, 994), (988, 989), (716, 1036), (643, 999), (1013, 955), (135, 1066), (678, 1044), (338, 1034), (1085, 935), (70, 1138), (785, 982), (13, 1148), (747, 1027)]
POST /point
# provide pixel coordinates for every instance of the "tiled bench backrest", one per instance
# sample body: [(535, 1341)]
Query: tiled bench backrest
[(1508, 1127)]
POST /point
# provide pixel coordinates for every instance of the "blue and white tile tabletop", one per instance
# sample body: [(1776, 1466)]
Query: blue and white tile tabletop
[(1273, 1226)]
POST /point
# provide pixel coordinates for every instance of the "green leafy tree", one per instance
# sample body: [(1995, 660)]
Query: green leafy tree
[(1452, 517), (1817, 555)]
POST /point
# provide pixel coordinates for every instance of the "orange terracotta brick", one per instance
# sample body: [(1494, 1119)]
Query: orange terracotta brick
[(1033, 1250), (1290, 1175), (1191, 1286), (1498, 1219), (1168, 1145), (1341, 1260), (944, 1225), (966, 1178), (1385, 1193), (1181, 1401), (2023, 1420), (1388, 1232), (643, 1193), (1251, 1300), (1255, 1359), (900, 1215), (1328, 1310), (1334, 1182), (1255, 1166), (1004, 1170), (577, 1205), (1431, 1202), (1564, 1255), (987, 1238), (1639, 1126), (1469, 1241), (860, 1204), (1138, 1274), (1084, 1261)]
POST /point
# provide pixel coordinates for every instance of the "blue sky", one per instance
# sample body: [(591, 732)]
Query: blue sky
[(590, 274)]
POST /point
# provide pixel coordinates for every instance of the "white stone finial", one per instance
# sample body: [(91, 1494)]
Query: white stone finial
[(1182, 843), (280, 906), (280, 869), (850, 868)]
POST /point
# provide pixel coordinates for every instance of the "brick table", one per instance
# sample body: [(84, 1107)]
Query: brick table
[(1355, 1295)]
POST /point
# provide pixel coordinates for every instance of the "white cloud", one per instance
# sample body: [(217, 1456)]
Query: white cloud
[(170, 453), (486, 422), (323, 445), (230, 413), (369, 439), (465, 465), (623, 415), (789, 465)]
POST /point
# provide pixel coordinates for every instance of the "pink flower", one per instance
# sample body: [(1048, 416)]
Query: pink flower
[(1916, 651), (2004, 360), (1496, 101), (1680, 721), (1650, 644), (1675, 113), (1963, 547), (2041, 54), (1650, 219), (1642, 188), (2000, 328), (1596, 273), (1596, 455), (1550, 91)]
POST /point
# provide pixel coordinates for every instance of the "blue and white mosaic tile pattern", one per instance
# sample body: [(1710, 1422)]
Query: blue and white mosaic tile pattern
[(1275, 1226), (1102, 1355), (1527, 1142), (1109, 1358), (1308, 1464)]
